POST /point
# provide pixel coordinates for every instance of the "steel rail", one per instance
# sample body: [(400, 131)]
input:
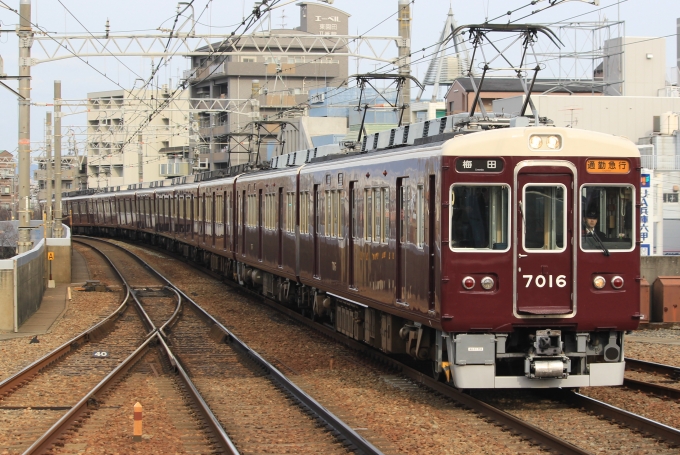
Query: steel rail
[(640, 423), (218, 431), (210, 419), (146, 320), (652, 367), (93, 333), (650, 387), (340, 428)]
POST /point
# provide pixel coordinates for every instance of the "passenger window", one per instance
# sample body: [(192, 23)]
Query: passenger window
[(386, 214), (377, 196), (368, 215), (479, 217)]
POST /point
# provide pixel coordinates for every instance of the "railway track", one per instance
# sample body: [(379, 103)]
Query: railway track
[(32, 400), (633, 427), (257, 405), (72, 385), (651, 377)]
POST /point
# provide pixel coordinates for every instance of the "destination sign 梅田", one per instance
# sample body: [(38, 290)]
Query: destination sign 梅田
[(479, 165)]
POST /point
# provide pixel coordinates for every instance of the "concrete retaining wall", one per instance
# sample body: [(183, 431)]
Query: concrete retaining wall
[(23, 279)]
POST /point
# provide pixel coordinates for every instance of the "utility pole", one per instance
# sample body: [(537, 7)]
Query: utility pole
[(404, 60), (25, 34), (58, 230), (48, 173)]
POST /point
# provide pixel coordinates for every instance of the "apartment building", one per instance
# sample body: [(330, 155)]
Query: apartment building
[(271, 72), (120, 153), (8, 188)]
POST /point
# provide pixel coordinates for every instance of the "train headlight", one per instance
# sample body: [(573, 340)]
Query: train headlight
[(617, 282), (487, 283), (535, 142), (599, 282), (554, 142), (468, 282)]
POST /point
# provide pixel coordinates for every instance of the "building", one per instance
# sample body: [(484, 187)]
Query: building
[(461, 94), (272, 72), (119, 153), (73, 174), (8, 185)]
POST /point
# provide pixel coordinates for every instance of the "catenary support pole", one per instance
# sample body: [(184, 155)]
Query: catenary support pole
[(57, 229), (25, 34), (404, 60), (48, 173)]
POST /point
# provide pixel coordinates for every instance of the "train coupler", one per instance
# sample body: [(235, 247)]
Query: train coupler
[(544, 367)]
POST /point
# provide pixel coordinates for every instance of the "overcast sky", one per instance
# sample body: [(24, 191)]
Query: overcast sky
[(648, 18)]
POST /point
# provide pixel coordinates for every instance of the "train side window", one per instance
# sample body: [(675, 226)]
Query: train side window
[(479, 217), (404, 218), (336, 214), (378, 212), (544, 217), (368, 214), (329, 211), (386, 214), (420, 216)]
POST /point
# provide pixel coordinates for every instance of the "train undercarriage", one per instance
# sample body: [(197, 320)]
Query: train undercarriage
[(527, 357)]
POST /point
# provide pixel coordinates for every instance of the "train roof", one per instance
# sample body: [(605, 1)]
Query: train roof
[(515, 142)]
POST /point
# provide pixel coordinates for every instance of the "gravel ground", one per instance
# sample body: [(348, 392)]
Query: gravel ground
[(394, 414), (86, 309), (168, 424), (667, 354)]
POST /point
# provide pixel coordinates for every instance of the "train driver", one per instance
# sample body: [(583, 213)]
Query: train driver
[(590, 228)]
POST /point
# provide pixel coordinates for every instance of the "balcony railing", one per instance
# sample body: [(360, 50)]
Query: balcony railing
[(660, 162), (175, 169)]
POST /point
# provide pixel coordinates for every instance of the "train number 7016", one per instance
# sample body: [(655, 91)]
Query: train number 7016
[(541, 280)]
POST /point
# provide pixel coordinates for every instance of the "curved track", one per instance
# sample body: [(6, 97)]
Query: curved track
[(236, 381)]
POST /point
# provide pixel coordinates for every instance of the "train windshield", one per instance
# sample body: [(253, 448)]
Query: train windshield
[(479, 217), (607, 213)]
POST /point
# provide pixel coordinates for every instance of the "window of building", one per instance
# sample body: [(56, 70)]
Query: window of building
[(671, 197)]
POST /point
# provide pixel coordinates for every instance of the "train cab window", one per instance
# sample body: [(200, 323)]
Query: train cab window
[(544, 218), (607, 218), (479, 217)]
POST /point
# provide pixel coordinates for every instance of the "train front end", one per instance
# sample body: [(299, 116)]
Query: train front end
[(540, 257)]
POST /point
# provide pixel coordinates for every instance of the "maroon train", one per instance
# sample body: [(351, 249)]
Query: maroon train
[(470, 252)]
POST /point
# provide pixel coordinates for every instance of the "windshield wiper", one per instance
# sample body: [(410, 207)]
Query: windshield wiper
[(605, 251)]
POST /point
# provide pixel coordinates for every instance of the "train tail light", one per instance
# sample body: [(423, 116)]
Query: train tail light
[(599, 282), (468, 282), (487, 283), (617, 282)]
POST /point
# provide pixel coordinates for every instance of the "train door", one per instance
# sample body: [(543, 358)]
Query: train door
[(544, 242), (317, 222), (260, 219), (430, 241), (279, 228), (403, 219), (352, 232), (243, 223)]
